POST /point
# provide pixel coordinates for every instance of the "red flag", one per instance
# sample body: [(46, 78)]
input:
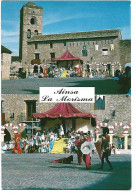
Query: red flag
[(98, 148)]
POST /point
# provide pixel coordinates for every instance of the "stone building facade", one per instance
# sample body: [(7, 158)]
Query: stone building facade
[(30, 25), (125, 50), (114, 116), (99, 49), (5, 63), (16, 64)]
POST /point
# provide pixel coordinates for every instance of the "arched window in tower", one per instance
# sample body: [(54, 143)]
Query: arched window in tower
[(36, 32), (33, 20), (28, 33)]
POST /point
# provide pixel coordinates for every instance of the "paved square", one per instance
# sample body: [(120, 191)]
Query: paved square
[(36, 172), (31, 86)]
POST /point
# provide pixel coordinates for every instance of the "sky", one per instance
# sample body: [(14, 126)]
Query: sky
[(67, 16)]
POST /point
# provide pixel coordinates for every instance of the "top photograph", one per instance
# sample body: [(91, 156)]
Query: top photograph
[(66, 44)]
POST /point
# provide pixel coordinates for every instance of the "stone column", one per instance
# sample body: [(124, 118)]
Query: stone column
[(97, 67), (38, 69), (31, 70), (111, 133), (84, 73), (111, 136), (120, 68), (15, 130), (90, 72), (90, 68), (2, 138), (26, 72), (105, 66), (126, 134), (112, 70), (126, 141), (2, 135)]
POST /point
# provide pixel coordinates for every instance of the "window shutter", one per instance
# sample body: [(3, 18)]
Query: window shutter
[(96, 47), (102, 103), (96, 103), (112, 47)]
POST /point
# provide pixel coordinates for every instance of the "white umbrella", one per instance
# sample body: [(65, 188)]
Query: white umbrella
[(87, 147)]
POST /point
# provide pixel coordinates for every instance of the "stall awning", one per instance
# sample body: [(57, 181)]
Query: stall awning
[(65, 110), (66, 56)]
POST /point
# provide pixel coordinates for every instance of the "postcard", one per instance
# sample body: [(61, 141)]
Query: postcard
[(66, 95)]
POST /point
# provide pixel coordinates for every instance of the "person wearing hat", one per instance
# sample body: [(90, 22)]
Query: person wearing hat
[(105, 152), (86, 157)]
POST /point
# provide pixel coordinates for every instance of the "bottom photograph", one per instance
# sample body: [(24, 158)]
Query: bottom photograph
[(65, 146)]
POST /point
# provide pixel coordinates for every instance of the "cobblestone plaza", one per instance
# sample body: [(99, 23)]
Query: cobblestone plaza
[(36, 172)]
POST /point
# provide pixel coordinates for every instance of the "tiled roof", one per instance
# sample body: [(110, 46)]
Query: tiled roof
[(15, 59), (5, 50), (76, 35)]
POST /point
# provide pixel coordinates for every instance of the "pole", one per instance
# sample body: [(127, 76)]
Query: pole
[(32, 128)]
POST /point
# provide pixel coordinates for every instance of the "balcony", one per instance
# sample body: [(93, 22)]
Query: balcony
[(24, 118), (36, 61)]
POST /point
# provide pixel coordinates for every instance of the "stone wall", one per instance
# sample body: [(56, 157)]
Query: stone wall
[(119, 104), (125, 52), (5, 66), (16, 65), (75, 47)]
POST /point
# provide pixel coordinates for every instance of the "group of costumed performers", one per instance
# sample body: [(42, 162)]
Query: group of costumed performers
[(81, 155), (85, 146)]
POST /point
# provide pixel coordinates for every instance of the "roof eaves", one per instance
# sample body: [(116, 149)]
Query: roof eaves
[(5, 50), (75, 35)]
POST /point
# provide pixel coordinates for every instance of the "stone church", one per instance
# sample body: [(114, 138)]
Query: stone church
[(99, 50)]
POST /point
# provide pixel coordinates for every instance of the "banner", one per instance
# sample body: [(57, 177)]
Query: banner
[(98, 148), (17, 138)]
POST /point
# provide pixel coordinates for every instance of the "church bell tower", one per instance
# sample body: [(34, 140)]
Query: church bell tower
[(31, 16)]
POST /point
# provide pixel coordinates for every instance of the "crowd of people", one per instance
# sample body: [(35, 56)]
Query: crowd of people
[(43, 142), (40, 142), (73, 72), (57, 72), (125, 79)]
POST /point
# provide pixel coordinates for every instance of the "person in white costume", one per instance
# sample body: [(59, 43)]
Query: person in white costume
[(61, 131)]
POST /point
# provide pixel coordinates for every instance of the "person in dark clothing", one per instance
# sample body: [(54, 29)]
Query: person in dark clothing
[(105, 152), (79, 153)]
